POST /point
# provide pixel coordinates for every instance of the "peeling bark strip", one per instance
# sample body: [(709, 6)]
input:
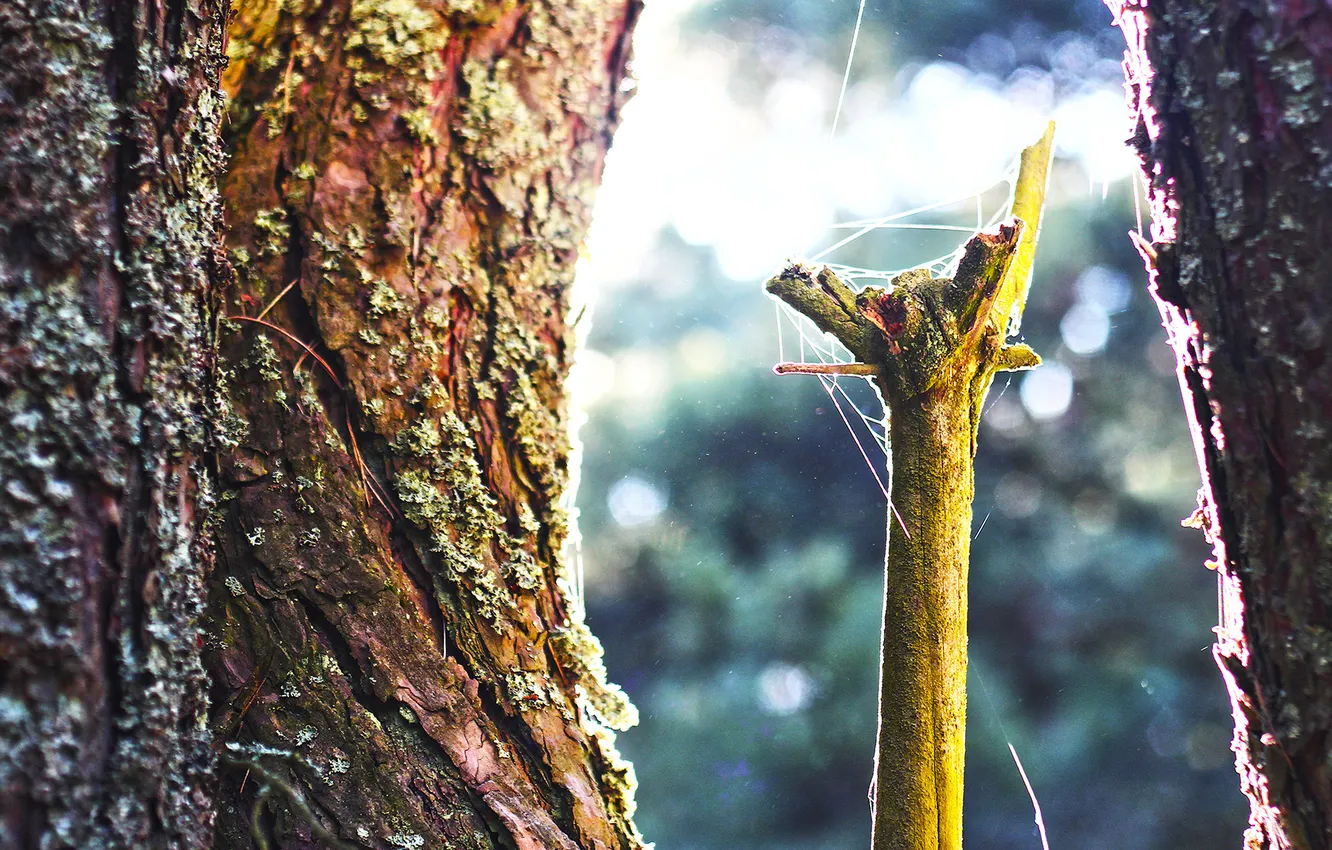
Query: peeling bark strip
[(1230, 102), (109, 117), (409, 187)]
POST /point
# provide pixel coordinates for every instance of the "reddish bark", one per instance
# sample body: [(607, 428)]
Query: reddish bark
[(409, 188)]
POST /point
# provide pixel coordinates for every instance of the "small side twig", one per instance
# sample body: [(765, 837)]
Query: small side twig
[(368, 482), (295, 800), (276, 299), (857, 369), (294, 340), (250, 691)]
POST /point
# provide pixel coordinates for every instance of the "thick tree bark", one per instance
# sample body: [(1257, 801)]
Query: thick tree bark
[(109, 218), (399, 655), (1231, 101)]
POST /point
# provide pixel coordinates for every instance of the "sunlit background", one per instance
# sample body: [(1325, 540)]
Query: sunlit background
[(733, 531)]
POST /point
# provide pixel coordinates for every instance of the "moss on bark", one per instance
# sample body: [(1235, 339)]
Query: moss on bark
[(393, 597), (932, 346)]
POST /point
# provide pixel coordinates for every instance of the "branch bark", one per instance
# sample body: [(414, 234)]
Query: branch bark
[(934, 345), (934, 349)]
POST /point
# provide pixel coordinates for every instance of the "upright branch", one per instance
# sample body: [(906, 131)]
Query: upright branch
[(933, 346), (1028, 201)]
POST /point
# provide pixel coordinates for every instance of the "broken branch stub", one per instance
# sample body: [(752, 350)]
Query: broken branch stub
[(933, 346), (910, 331)]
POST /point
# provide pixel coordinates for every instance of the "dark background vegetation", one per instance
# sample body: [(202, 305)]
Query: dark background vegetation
[(734, 536)]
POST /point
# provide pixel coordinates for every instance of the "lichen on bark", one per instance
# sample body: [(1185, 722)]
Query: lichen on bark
[(394, 509), (109, 217)]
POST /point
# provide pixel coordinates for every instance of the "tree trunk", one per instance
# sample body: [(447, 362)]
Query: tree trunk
[(398, 650), (109, 116), (932, 346), (1232, 124)]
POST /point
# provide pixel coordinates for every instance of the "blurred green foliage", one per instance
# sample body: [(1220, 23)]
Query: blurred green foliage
[(734, 546)]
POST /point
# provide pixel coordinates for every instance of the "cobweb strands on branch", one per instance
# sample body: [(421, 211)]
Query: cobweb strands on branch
[(804, 349), (934, 345)]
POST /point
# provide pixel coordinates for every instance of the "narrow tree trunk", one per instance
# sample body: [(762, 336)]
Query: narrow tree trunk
[(399, 653), (109, 116), (934, 345), (1231, 102), (922, 692)]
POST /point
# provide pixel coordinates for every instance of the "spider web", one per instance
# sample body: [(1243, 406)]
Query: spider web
[(856, 398)]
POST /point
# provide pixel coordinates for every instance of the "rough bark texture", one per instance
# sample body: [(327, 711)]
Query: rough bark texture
[(109, 117), (1231, 102), (397, 646)]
